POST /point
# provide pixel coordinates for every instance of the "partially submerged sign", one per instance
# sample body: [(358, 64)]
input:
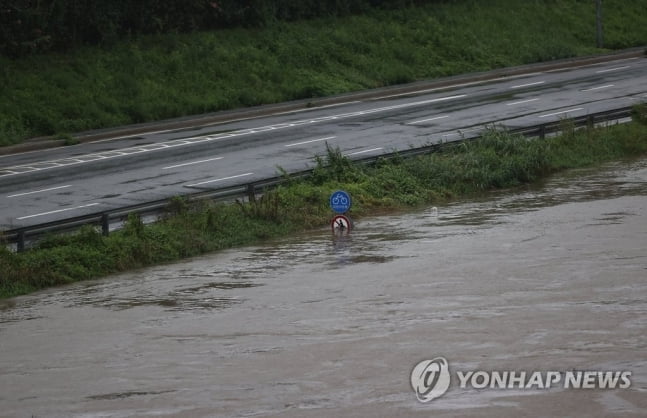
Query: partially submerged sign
[(341, 224), (340, 204)]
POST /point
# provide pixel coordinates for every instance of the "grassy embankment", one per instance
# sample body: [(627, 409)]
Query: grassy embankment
[(499, 160), (165, 76)]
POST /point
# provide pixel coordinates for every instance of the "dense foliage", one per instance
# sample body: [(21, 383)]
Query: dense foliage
[(39, 25)]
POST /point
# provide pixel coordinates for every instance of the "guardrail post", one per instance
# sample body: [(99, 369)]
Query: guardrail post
[(105, 224), (542, 131), (250, 192), (21, 241)]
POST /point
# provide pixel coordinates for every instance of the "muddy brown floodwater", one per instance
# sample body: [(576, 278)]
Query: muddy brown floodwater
[(552, 277)]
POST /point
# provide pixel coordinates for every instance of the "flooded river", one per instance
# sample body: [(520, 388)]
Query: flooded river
[(552, 277)]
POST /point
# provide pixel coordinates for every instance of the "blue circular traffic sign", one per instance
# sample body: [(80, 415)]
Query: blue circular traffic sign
[(340, 201)]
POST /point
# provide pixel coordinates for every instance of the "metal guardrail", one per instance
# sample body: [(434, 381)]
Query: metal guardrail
[(20, 236)]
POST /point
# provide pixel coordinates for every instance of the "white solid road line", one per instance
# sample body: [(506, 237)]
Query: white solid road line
[(522, 102), (57, 211), (454, 86), (362, 152), (39, 191), (400, 106), (594, 64), (599, 87), (191, 163), (308, 142), (309, 109), (562, 112), (220, 179), (613, 69), (428, 120), (536, 83)]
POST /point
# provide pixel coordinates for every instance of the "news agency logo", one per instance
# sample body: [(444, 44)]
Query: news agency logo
[(430, 379)]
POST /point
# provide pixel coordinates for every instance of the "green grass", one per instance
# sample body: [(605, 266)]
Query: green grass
[(165, 76), (498, 160)]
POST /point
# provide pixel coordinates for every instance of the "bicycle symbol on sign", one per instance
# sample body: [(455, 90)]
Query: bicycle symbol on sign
[(340, 199)]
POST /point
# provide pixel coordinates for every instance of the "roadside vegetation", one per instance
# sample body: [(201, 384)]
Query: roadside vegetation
[(59, 83), (497, 160)]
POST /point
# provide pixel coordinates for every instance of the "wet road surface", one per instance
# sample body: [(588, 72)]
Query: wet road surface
[(552, 277)]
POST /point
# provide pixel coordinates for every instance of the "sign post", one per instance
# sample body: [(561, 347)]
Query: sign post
[(340, 204)]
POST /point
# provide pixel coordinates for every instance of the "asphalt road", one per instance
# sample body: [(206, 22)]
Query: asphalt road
[(47, 185)]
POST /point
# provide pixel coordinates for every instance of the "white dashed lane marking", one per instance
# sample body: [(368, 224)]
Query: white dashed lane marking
[(220, 179), (536, 83), (598, 87), (311, 141), (562, 112), (364, 151), (613, 69), (57, 211), (192, 162), (428, 120), (40, 191), (522, 102)]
